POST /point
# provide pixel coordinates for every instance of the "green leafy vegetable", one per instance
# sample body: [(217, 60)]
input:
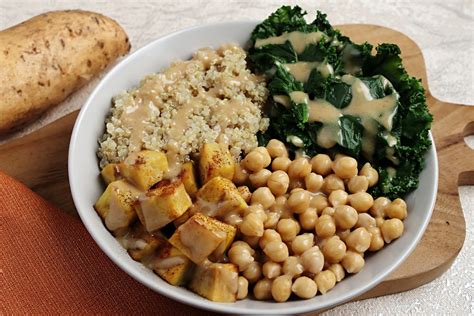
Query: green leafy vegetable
[(399, 152)]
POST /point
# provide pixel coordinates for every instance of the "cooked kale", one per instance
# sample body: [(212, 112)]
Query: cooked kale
[(398, 171)]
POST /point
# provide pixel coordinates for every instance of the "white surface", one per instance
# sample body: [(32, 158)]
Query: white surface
[(86, 189), (444, 31)]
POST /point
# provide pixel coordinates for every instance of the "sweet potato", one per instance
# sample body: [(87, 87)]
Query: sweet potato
[(46, 58)]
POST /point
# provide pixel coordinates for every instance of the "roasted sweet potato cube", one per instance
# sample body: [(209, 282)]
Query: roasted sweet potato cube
[(201, 235), (115, 205), (188, 176), (110, 173), (218, 197), (215, 161), (170, 264), (163, 204), (144, 168), (217, 282)]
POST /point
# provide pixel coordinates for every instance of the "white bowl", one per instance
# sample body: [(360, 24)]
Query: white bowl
[(86, 185)]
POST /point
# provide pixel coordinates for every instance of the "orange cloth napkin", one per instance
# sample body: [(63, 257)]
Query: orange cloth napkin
[(50, 265)]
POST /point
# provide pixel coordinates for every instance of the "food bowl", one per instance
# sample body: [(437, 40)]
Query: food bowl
[(86, 185)]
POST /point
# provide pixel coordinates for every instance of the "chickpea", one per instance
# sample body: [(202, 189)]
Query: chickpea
[(281, 163), (252, 225), (345, 216), (260, 178), (244, 192), (338, 197), (257, 209), (263, 289), (277, 148), (302, 243), (240, 256), (321, 164), (264, 197), (299, 201), (266, 156), (299, 168), (292, 266), (353, 262), (379, 221), (251, 240), (359, 239), (243, 288), (271, 269), (281, 288), (334, 250), (325, 226), (313, 182), (365, 220), (361, 201), (304, 287), (280, 204), (243, 244), (391, 229), (308, 218), (319, 202), (376, 242), (378, 209), (272, 220), (343, 234), (345, 167), (397, 209), (338, 271), (254, 161), (296, 184), (312, 260), (277, 251), (278, 182), (288, 229), (325, 280), (253, 273), (332, 183), (358, 184), (370, 173), (328, 211), (268, 236), (241, 175)]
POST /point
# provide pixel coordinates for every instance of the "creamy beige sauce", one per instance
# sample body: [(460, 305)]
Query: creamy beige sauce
[(371, 111), (229, 279), (174, 163), (282, 99), (166, 263), (301, 70), (298, 40), (135, 117), (299, 97)]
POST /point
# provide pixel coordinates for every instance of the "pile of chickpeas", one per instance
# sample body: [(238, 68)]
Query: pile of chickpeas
[(309, 222)]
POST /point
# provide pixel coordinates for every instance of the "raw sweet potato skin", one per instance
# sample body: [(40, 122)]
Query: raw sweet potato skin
[(46, 58)]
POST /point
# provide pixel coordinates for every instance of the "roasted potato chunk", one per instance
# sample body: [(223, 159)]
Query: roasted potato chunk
[(170, 264), (217, 282), (188, 176), (218, 197), (115, 205), (202, 236), (215, 161), (163, 204), (144, 169), (111, 173), (140, 244)]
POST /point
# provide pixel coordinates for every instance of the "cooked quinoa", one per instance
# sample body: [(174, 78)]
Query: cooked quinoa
[(211, 98)]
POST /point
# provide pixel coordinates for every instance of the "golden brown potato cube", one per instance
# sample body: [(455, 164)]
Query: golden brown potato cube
[(217, 282), (218, 197), (215, 161), (188, 176), (115, 205), (201, 236), (144, 168), (163, 204), (110, 173), (140, 244), (170, 264)]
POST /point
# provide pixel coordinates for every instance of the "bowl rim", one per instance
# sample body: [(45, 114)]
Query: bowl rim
[(205, 304)]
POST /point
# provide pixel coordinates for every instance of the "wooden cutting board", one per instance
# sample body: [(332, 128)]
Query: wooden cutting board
[(40, 161)]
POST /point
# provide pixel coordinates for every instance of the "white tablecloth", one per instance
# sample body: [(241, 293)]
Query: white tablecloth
[(444, 31)]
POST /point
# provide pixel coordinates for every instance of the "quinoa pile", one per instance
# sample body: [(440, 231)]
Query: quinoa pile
[(212, 97)]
